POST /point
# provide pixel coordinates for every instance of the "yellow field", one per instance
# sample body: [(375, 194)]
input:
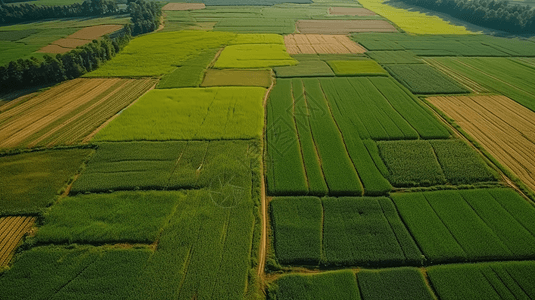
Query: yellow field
[(412, 21)]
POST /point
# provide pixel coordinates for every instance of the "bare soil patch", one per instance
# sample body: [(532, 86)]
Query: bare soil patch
[(183, 6), (503, 127), (12, 229), (94, 32), (321, 44), (54, 49), (351, 11), (70, 43), (343, 26)]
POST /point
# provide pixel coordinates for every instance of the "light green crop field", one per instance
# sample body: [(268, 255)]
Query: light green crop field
[(254, 56), (357, 67), (189, 113)]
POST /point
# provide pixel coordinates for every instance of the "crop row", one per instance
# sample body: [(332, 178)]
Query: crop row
[(500, 280), (446, 226), (424, 79)]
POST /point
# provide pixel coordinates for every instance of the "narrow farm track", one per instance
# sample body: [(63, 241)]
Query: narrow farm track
[(434, 105), (12, 229)]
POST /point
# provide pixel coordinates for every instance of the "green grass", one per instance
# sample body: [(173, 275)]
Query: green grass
[(411, 163), (394, 57), (215, 77), (190, 73), (357, 68), (424, 79), (164, 165), (13, 51), (306, 68), (285, 172), (366, 232), (190, 113), (122, 217), (399, 283), (31, 181), (251, 38), (297, 224), (256, 25), (74, 272), (254, 56), (500, 280), (467, 225), (160, 53), (502, 75), (327, 285), (15, 35)]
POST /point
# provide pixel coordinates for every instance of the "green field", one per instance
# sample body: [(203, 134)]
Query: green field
[(136, 217), (424, 79), (394, 57), (30, 181), (215, 77), (435, 162), (164, 165), (356, 232), (468, 225), (357, 68), (190, 113), (306, 68), (250, 56), (502, 75), (190, 73), (399, 283)]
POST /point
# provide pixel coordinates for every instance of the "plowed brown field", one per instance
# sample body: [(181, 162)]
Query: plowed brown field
[(67, 113), (503, 127), (12, 229), (183, 6), (351, 11), (343, 26), (321, 44), (79, 38)]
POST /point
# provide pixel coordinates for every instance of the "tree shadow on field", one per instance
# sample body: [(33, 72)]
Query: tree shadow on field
[(452, 20), (5, 98)]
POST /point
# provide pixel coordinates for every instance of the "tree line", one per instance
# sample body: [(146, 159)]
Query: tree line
[(24, 73), (11, 14), (487, 13)]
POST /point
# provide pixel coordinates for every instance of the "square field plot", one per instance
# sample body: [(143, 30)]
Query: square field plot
[(190, 114), (215, 77), (165, 165), (31, 181), (469, 225), (321, 44), (343, 26), (183, 6), (351, 11)]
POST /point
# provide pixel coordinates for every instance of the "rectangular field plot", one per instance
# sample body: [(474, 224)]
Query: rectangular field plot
[(343, 26), (469, 225), (424, 79), (500, 280), (164, 165), (12, 229), (190, 73), (67, 113), (435, 162), (357, 68), (320, 44), (122, 217), (215, 77), (316, 143), (446, 45), (190, 113), (503, 75), (356, 232), (183, 6), (396, 283), (254, 56), (31, 181), (79, 38), (394, 57), (351, 11), (306, 68), (503, 127), (327, 285)]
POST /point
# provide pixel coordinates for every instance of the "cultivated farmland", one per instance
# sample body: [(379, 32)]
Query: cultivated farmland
[(254, 56), (183, 6), (189, 113), (67, 113), (320, 44), (215, 77), (79, 38), (12, 229), (501, 126), (343, 27), (423, 79)]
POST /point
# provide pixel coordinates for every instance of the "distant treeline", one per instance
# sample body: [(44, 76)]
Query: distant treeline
[(487, 13), (24, 73), (10, 14)]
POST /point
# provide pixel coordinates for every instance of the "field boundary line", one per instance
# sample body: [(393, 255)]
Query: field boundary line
[(99, 128)]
